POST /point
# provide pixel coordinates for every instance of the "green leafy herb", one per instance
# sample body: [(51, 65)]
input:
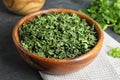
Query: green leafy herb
[(115, 52), (106, 13), (58, 36)]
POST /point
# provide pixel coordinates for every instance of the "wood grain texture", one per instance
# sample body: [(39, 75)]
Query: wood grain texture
[(24, 7), (58, 66)]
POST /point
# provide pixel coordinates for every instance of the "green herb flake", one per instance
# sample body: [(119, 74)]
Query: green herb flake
[(115, 52), (59, 36)]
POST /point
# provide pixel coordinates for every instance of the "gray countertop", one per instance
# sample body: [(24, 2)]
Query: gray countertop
[(12, 66)]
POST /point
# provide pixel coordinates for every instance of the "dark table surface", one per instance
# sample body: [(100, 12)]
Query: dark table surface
[(12, 66)]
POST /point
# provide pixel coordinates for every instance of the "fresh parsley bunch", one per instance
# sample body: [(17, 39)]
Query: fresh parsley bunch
[(106, 13), (58, 35)]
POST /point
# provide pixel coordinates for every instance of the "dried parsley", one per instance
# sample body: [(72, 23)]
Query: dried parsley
[(58, 36)]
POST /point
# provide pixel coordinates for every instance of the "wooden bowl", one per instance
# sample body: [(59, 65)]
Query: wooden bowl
[(24, 7), (57, 66)]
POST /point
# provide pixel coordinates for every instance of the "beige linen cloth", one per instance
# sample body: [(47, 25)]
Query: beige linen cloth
[(104, 67)]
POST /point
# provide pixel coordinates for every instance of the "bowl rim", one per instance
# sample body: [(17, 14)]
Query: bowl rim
[(82, 57)]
